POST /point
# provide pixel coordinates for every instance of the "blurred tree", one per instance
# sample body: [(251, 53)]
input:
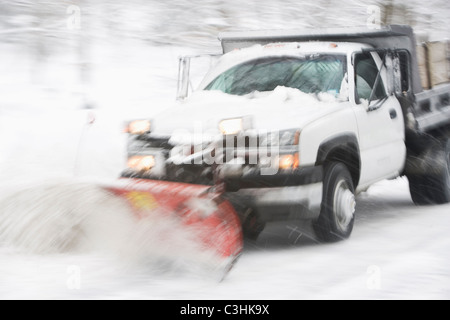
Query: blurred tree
[(39, 27), (38, 41), (83, 32), (395, 12)]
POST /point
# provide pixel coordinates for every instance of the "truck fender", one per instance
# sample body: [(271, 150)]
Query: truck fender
[(342, 148)]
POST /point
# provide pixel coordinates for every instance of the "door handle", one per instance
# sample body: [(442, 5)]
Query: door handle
[(393, 113)]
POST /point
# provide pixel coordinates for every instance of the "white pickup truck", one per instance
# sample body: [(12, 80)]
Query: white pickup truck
[(293, 125)]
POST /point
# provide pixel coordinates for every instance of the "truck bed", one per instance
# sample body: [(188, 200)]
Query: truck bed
[(433, 108)]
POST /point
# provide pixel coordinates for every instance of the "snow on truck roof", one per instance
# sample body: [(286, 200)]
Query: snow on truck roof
[(299, 49), (387, 36)]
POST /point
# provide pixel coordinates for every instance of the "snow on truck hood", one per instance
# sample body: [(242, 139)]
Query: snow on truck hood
[(281, 109)]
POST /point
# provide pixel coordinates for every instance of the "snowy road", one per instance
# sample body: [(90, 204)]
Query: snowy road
[(396, 251)]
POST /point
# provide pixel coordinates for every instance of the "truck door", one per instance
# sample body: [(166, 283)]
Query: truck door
[(380, 120)]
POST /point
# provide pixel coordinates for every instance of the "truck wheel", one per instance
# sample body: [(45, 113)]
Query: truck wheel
[(433, 188), (442, 182), (252, 226), (337, 215), (419, 191)]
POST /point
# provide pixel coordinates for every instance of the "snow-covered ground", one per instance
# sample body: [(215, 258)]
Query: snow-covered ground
[(397, 251), (52, 158)]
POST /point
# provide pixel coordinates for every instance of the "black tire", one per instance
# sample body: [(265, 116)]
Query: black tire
[(419, 191), (441, 183), (252, 226), (434, 187), (337, 216)]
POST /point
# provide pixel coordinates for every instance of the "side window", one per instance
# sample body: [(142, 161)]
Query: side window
[(366, 76)]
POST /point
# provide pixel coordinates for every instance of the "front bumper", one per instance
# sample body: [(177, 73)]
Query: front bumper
[(298, 177), (284, 196), (281, 204)]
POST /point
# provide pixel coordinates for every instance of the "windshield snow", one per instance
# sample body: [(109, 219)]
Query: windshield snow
[(313, 74)]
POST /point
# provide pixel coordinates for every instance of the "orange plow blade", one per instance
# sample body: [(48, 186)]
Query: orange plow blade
[(213, 218)]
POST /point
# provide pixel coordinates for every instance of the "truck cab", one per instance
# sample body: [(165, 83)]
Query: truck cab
[(354, 75)]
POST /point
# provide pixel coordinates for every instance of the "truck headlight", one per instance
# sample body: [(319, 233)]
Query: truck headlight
[(231, 126), (289, 138), (138, 127), (282, 139), (235, 126), (141, 163), (288, 161)]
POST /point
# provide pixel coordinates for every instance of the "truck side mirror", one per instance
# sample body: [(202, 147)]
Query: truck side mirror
[(184, 66), (396, 75), (188, 80), (401, 73)]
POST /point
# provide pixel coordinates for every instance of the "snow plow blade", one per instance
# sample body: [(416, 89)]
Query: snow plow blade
[(207, 213)]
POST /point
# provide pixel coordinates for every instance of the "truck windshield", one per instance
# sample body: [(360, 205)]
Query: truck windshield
[(314, 74)]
